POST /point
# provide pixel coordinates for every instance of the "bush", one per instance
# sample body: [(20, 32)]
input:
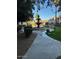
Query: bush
[(56, 34), (59, 57), (28, 31), (47, 30), (19, 27)]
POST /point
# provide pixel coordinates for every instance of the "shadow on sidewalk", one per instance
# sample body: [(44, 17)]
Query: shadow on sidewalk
[(24, 43)]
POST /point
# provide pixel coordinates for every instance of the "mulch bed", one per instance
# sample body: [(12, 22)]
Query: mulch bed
[(23, 44)]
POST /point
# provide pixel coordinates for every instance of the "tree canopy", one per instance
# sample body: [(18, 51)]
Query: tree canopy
[(24, 7), (56, 3), (24, 10)]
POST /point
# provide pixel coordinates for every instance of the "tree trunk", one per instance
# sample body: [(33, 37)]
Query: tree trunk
[(38, 24)]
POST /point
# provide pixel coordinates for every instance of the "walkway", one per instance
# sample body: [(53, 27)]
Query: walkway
[(43, 47)]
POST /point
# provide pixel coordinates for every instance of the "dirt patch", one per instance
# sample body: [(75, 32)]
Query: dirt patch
[(24, 43)]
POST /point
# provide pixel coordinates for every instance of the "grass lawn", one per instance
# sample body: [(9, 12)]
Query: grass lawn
[(56, 34)]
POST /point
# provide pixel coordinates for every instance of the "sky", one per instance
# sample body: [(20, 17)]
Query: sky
[(46, 13)]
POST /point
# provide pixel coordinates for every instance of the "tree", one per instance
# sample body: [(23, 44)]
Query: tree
[(38, 20), (24, 7), (57, 3), (24, 10), (50, 3)]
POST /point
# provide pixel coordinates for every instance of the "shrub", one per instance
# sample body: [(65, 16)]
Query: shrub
[(19, 27), (28, 30), (47, 30), (59, 57), (56, 34)]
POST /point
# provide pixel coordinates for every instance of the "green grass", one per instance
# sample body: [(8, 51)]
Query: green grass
[(56, 34)]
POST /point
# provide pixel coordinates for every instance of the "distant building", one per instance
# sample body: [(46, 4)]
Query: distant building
[(54, 21), (58, 20)]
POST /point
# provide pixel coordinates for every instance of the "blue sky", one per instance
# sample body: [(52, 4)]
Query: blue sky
[(45, 13)]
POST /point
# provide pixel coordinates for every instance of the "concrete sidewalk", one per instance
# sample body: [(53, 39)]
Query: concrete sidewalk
[(43, 47)]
